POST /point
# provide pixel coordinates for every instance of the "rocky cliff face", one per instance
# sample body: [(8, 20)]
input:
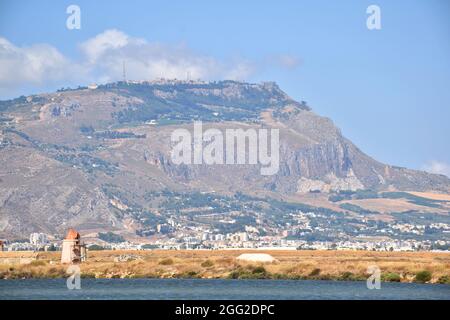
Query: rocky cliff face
[(90, 158)]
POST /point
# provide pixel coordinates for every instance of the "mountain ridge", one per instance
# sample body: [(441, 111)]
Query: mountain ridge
[(93, 157)]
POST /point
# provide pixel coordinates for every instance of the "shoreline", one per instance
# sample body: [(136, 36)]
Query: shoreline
[(182, 277), (407, 267)]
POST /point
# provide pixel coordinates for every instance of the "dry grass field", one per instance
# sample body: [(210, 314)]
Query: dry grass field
[(335, 265)]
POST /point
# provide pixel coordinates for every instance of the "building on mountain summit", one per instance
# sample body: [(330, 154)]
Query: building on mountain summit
[(73, 251)]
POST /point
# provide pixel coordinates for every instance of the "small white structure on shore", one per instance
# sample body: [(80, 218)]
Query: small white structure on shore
[(73, 251), (256, 257)]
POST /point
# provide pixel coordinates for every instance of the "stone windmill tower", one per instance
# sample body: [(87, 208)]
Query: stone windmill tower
[(73, 251)]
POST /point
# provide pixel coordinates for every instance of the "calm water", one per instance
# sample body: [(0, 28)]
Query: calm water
[(215, 289)]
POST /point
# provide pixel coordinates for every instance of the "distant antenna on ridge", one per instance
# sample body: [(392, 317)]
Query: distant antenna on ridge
[(124, 72)]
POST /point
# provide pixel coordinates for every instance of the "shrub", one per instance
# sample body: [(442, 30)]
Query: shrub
[(56, 273), (87, 275), (188, 274), (255, 273), (325, 277), (166, 262), (315, 272), (347, 276), (207, 264), (279, 276), (391, 277), (259, 270), (423, 276), (444, 280), (38, 263)]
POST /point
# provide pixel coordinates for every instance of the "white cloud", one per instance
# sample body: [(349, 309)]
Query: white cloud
[(285, 61), (31, 65), (25, 69), (144, 60), (102, 60), (437, 167), (95, 47), (288, 61)]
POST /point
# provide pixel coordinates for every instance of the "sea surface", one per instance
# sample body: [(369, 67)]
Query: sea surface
[(216, 289)]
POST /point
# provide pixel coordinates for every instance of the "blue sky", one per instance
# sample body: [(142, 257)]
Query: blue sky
[(388, 89)]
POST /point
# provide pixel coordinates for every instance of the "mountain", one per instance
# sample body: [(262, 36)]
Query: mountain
[(98, 159)]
